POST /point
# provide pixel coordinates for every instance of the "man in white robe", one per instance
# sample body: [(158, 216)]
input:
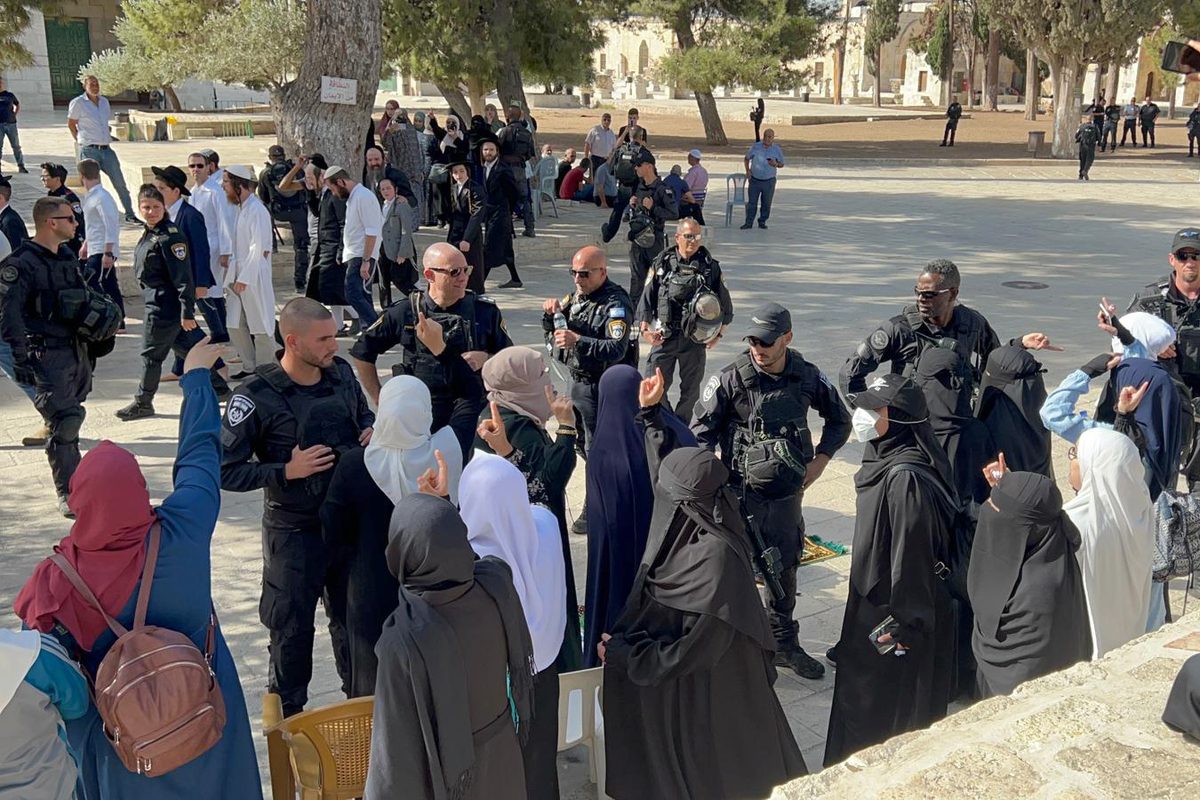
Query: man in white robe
[(251, 297)]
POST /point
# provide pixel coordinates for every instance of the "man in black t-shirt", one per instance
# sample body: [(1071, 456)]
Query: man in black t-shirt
[(9, 107)]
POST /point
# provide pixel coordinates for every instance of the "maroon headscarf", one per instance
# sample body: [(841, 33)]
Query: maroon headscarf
[(107, 546)]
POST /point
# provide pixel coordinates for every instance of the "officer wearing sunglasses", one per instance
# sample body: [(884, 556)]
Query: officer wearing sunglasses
[(1173, 299), (936, 319)]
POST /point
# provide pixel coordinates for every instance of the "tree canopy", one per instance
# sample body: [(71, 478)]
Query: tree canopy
[(16, 15)]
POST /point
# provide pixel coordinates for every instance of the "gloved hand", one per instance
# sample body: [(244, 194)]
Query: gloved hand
[(1099, 365), (23, 374)]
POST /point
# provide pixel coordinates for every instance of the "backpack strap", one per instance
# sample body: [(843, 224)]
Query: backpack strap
[(77, 581), (143, 601)]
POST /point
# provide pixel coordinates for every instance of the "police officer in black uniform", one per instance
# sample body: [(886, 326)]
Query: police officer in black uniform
[(1112, 116), (283, 432), (756, 413), (285, 206), (36, 281), (935, 320), (445, 356), (1174, 299), (652, 204), (163, 266), (517, 148), (684, 312), (54, 178)]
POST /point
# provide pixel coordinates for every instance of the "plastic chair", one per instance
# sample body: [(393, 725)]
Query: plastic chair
[(546, 174), (580, 696), (323, 754), (735, 195)]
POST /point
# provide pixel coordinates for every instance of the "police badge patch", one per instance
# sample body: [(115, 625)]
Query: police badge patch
[(879, 339), (617, 329), (710, 388), (240, 407), (180, 250)]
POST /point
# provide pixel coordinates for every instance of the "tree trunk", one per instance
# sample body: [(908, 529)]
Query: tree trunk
[(1111, 80), (971, 64), (1064, 77), (878, 69), (476, 93), (948, 78), (509, 85), (454, 98), (991, 81), (173, 103), (343, 41), (714, 131), (1032, 85), (839, 56)]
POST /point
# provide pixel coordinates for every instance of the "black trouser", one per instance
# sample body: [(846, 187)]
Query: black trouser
[(63, 375), (585, 395), (782, 526), (462, 415), (297, 219), (948, 133), (1148, 130), (1086, 156), (1192, 138), (640, 259), (691, 357), (609, 229), (214, 313), (1106, 140), (104, 281), (539, 752), (401, 274), (692, 210), (296, 574), (159, 338), (523, 191), (1129, 129)]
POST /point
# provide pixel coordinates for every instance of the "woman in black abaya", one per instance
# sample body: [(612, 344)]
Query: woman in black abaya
[(967, 442), (1031, 617), (902, 524), (1011, 395), (689, 707)]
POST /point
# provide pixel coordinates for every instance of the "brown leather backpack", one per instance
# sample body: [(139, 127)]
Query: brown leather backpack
[(155, 691)]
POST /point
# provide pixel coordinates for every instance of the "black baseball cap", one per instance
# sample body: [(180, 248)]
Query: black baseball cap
[(174, 177), (769, 322), (891, 390), (1186, 239), (644, 157)]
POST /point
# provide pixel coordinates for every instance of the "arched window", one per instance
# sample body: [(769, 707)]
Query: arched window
[(643, 58), (603, 62), (624, 66)]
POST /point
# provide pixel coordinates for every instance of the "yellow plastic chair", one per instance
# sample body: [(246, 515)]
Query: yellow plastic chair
[(323, 754), (580, 696)]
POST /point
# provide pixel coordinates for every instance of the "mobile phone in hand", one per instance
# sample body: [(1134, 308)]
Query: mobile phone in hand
[(889, 625), (1179, 57)]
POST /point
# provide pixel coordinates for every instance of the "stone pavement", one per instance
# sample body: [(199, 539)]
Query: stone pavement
[(844, 246)]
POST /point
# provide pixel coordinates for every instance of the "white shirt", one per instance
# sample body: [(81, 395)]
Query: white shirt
[(363, 218), (101, 222), (601, 141), (5, 248), (92, 119), (173, 210)]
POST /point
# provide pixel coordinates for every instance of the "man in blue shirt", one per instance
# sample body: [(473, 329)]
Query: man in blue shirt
[(9, 106), (762, 160)]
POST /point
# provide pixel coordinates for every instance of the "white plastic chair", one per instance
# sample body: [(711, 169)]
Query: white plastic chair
[(581, 721), (735, 195), (545, 175)]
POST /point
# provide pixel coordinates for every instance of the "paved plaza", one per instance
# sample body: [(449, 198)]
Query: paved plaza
[(844, 247)]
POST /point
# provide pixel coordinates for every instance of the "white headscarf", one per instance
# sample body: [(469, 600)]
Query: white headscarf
[(18, 651), (1152, 333), (1115, 519), (502, 523), (401, 448)]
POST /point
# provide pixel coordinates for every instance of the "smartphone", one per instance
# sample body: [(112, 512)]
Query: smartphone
[(1178, 57), (1104, 313), (889, 625)]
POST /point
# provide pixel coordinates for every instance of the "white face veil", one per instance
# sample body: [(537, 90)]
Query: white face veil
[(401, 448), (502, 523), (1115, 518)]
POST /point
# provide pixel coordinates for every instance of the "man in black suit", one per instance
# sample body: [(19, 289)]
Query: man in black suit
[(11, 224), (467, 209), (501, 195)]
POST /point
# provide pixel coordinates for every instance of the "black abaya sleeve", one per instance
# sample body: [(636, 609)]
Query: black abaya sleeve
[(1127, 424), (915, 517), (661, 439), (399, 766), (651, 662)]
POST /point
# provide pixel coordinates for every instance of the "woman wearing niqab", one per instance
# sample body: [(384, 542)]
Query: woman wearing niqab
[(902, 528), (689, 707), (1011, 395), (1031, 616), (449, 656)]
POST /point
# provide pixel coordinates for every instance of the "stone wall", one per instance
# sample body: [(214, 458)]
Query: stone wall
[(1092, 731)]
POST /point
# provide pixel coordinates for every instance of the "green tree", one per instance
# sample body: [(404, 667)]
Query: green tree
[(16, 16), (1069, 35), (1152, 46), (882, 26), (724, 42)]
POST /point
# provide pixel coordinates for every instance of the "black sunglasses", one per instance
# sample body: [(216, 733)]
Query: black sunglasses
[(197, 166), (581, 273), (757, 342), (454, 272), (928, 294), (1187, 256)]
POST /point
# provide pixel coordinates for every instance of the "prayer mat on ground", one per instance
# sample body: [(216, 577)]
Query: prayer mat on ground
[(817, 549)]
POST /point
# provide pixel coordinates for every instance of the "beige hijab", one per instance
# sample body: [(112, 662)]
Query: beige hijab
[(516, 379)]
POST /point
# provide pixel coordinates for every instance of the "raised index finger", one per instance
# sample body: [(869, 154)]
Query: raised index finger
[(496, 420)]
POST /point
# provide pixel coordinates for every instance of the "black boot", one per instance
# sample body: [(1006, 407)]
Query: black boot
[(793, 657)]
